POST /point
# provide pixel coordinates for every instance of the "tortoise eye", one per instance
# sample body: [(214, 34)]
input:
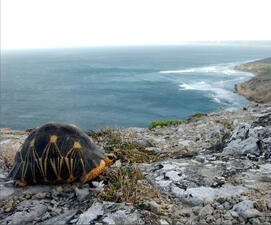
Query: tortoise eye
[(111, 157)]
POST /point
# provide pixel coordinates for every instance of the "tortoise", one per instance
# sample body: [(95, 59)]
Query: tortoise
[(58, 153)]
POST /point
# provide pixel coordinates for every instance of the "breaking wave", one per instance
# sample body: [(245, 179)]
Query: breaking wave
[(214, 91), (207, 69)]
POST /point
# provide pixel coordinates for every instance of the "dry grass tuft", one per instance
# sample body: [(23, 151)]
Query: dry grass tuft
[(113, 141), (127, 184), (8, 155)]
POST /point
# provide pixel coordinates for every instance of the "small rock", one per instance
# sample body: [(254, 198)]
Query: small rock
[(251, 213), (196, 210), (206, 210), (243, 206), (207, 201), (227, 205), (154, 207), (61, 219), (184, 143), (81, 194), (255, 221), (234, 214), (92, 213), (210, 219), (27, 211), (5, 192), (221, 200), (200, 158), (246, 209), (226, 222), (228, 216), (164, 222), (40, 195), (58, 191), (8, 209)]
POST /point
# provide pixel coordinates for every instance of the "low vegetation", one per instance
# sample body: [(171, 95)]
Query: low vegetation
[(228, 125), (123, 185), (123, 148), (163, 123), (195, 117)]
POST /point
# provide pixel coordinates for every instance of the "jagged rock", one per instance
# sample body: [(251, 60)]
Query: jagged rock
[(246, 209), (26, 212), (265, 173), (64, 218), (91, 214), (81, 194), (240, 132), (251, 141), (196, 196), (263, 121), (114, 213), (251, 213), (242, 147), (5, 192)]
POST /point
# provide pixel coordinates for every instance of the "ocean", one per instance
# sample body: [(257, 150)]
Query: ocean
[(99, 87)]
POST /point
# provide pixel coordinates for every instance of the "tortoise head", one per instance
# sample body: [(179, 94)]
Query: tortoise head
[(110, 159)]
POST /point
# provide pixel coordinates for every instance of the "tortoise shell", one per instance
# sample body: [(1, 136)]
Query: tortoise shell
[(56, 153)]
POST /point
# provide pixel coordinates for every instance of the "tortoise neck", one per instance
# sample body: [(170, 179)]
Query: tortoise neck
[(107, 161)]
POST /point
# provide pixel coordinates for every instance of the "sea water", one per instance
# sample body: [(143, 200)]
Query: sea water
[(97, 87)]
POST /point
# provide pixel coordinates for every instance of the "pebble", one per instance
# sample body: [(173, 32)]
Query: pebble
[(255, 221), (40, 195), (206, 210), (154, 207), (207, 201), (227, 205), (8, 209), (251, 213)]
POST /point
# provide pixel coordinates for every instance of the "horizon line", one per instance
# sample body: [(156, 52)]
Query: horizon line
[(217, 42)]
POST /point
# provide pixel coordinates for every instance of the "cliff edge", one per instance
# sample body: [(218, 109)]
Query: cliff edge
[(257, 89)]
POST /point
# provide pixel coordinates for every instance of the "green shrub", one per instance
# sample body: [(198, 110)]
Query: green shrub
[(228, 125), (163, 123), (195, 117)]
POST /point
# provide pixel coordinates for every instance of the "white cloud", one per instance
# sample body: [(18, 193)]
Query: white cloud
[(56, 23)]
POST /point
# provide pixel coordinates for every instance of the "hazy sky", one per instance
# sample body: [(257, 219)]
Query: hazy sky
[(59, 23)]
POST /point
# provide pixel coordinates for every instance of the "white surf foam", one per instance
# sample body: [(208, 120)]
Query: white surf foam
[(178, 71), (207, 69), (217, 93), (186, 86)]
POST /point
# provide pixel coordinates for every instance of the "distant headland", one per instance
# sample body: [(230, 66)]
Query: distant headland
[(257, 89)]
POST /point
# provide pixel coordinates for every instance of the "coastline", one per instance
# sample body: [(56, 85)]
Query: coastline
[(257, 89)]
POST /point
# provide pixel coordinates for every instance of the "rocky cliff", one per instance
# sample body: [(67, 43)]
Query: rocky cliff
[(257, 89), (210, 169)]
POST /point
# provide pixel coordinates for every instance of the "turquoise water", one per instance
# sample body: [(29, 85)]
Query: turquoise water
[(97, 87)]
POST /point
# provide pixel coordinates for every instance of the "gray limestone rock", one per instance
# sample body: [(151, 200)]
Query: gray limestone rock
[(246, 209), (206, 211), (26, 212), (251, 213), (81, 194), (111, 213), (61, 219), (5, 192), (244, 141), (243, 206), (196, 196)]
